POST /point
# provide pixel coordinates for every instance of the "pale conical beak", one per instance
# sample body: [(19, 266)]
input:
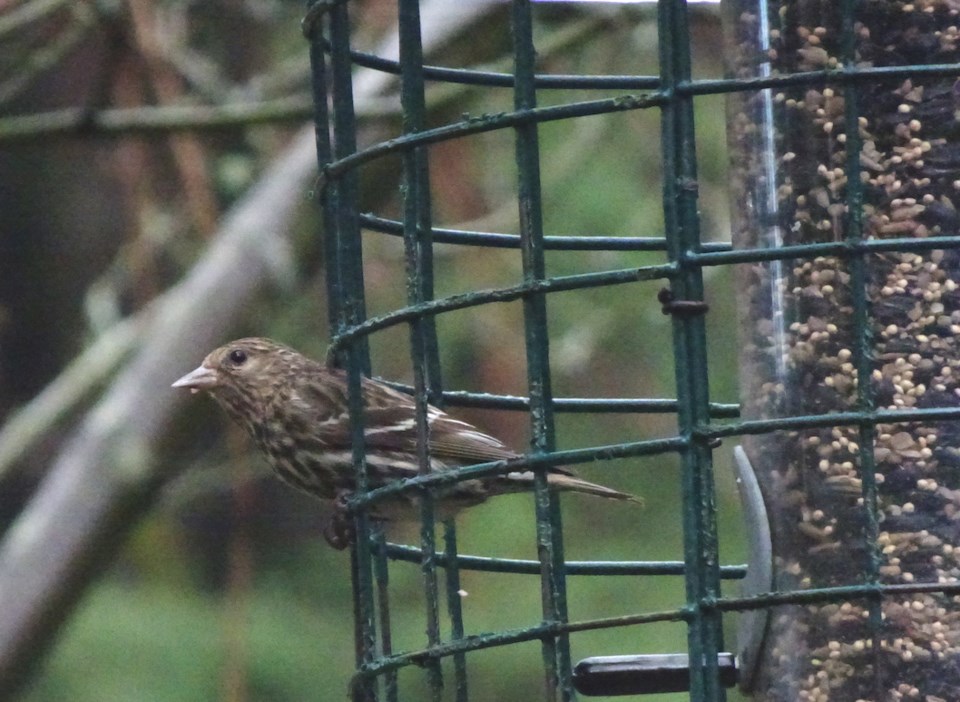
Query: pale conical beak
[(201, 378)]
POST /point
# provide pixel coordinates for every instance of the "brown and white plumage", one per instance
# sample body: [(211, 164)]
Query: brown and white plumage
[(295, 409)]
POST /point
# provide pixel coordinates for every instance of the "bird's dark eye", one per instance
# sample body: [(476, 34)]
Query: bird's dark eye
[(238, 357)]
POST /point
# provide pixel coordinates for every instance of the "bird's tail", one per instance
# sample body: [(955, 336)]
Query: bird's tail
[(565, 482)]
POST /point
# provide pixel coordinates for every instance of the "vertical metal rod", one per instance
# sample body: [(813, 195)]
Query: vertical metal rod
[(349, 306), (417, 238), (683, 235), (556, 650), (327, 195), (864, 342), (339, 199), (455, 610), (382, 575)]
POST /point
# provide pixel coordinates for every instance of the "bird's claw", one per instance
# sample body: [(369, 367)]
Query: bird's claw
[(339, 530)]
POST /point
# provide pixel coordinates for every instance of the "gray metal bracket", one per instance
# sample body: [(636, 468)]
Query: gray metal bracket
[(753, 623)]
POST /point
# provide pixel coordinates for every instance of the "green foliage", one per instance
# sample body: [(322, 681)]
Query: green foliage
[(168, 645)]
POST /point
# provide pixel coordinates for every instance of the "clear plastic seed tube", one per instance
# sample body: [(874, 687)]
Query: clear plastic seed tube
[(850, 329)]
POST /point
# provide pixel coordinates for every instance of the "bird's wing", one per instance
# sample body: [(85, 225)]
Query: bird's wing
[(389, 418), (395, 429), (451, 438)]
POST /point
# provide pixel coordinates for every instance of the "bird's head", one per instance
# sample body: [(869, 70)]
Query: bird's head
[(243, 374)]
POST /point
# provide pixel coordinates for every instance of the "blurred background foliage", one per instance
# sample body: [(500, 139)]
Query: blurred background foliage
[(223, 589)]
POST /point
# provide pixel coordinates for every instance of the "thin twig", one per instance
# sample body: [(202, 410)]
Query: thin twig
[(49, 54), (21, 432)]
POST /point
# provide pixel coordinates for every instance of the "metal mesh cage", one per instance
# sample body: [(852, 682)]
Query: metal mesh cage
[(328, 28), (828, 217)]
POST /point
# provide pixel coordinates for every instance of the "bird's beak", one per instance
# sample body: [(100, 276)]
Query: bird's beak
[(201, 378)]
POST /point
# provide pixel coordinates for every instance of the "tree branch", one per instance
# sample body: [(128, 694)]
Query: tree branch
[(104, 476)]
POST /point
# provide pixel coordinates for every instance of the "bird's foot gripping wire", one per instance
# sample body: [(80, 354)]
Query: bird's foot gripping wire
[(339, 530)]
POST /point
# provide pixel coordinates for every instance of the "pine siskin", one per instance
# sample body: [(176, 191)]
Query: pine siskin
[(296, 411)]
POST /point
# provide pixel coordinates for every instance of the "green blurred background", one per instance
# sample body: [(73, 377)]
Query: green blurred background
[(224, 589)]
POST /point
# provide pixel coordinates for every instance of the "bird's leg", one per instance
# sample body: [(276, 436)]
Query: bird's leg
[(339, 530)]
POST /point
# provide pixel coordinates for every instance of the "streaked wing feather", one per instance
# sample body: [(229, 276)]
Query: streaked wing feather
[(395, 429), (390, 419), (451, 438)]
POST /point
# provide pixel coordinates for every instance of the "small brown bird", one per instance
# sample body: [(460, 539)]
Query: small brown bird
[(296, 411)]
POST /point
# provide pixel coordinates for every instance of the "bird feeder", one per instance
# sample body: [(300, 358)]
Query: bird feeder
[(845, 184)]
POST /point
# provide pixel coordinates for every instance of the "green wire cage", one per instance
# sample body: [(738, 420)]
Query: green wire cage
[(844, 248)]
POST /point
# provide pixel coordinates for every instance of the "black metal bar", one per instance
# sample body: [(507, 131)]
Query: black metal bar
[(644, 675)]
